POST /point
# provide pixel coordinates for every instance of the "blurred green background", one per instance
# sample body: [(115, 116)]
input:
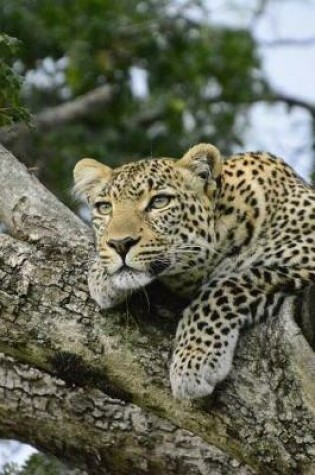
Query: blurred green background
[(173, 80)]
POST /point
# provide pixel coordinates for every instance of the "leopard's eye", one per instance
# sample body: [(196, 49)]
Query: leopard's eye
[(159, 202), (103, 207)]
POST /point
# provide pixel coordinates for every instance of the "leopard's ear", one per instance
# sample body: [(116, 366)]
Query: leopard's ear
[(205, 163), (89, 177)]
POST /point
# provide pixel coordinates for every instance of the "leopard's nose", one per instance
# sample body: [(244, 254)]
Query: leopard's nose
[(122, 246)]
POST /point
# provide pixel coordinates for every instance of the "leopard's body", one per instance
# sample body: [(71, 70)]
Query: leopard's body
[(236, 236)]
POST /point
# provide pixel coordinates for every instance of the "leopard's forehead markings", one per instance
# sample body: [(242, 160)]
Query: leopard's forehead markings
[(133, 179)]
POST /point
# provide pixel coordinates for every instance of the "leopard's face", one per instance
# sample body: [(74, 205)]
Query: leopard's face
[(148, 222), (151, 218)]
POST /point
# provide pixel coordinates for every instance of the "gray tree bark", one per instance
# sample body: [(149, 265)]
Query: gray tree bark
[(93, 388)]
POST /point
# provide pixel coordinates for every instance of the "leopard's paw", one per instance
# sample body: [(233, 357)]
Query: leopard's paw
[(189, 384), (195, 372)]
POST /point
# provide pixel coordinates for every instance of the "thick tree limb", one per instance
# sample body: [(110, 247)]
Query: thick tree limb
[(101, 381), (42, 409), (30, 211)]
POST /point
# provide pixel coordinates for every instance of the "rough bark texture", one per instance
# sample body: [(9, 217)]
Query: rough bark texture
[(93, 389)]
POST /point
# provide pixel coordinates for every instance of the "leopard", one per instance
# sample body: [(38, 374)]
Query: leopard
[(234, 235)]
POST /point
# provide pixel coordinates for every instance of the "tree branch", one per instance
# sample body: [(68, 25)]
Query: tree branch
[(98, 98), (272, 98), (262, 417), (288, 42), (58, 116), (116, 435), (291, 101), (30, 211)]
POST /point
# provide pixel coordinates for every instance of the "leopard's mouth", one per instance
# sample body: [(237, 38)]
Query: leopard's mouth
[(127, 278)]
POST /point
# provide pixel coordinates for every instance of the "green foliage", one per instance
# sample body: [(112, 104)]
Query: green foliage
[(38, 464), (10, 469), (200, 77), (10, 83)]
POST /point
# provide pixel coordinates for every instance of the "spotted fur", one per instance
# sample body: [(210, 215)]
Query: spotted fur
[(236, 236)]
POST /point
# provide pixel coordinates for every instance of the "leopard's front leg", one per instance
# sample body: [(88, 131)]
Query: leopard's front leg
[(208, 332)]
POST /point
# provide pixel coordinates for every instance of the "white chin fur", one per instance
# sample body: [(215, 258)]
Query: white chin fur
[(127, 279)]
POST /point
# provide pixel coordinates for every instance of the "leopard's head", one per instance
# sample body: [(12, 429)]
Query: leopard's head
[(152, 218)]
